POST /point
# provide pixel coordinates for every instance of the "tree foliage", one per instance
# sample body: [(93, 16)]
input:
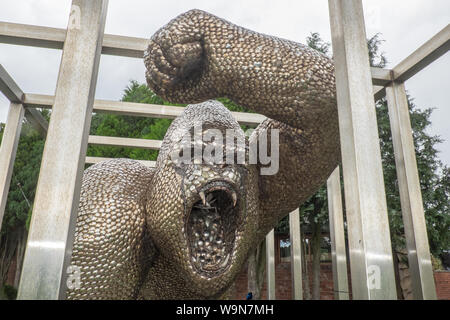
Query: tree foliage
[(24, 179), (433, 174), (20, 198)]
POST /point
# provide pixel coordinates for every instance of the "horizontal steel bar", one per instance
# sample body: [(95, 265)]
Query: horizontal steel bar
[(125, 142), (53, 38), (379, 92), (9, 87), (14, 94), (37, 121), (137, 109), (93, 160), (431, 50), (124, 46), (47, 37), (30, 35), (380, 76)]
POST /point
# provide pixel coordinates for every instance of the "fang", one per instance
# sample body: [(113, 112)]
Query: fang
[(234, 196), (202, 196)]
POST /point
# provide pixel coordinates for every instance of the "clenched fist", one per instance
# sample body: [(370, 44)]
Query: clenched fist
[(198, 56), (178, 59)]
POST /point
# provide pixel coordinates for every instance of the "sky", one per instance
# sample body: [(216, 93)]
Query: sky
[(404, 25)]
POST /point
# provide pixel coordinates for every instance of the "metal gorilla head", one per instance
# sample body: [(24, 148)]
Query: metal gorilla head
[(198, 215)]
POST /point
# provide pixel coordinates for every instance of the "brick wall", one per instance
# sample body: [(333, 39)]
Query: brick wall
[(442, 280), (11, 275), (283, 283)]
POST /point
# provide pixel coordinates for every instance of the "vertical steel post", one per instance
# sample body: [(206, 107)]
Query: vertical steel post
[(410, 194), (337, 235), (296, 255), (8, 150), (371, 260), (270, 264), (55, 207)]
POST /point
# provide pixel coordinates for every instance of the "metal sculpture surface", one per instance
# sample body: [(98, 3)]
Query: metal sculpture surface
[(185, 230)]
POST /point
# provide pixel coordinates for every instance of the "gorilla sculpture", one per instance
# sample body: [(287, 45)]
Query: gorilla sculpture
[(182, 231)]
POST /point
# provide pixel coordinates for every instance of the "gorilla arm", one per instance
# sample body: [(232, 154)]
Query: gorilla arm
[(111, 245), (198, 56)]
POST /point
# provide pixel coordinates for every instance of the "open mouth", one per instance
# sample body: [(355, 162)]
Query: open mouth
[(211, 228)]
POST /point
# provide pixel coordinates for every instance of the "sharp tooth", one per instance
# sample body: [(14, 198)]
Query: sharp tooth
[(202, 196), (234, 196), (224, 263)]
